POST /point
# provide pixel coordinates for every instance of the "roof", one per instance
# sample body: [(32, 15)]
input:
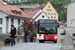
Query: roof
[(62, 22), (37, 16), (32, 13), (40, 7), (7, 9), (66, 4)]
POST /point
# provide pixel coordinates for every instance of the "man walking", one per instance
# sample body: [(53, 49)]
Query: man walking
[(13, 35), (26, 34)]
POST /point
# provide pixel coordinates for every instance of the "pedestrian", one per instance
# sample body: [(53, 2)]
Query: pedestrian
[(29, 32), (13, 35), (25, 35), (63, 31), (31, 37)]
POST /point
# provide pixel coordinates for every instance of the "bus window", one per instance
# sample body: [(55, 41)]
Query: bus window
[(48, 28)]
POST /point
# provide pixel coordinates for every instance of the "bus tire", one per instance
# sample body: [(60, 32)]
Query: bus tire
[(55, 41), (41, 41)]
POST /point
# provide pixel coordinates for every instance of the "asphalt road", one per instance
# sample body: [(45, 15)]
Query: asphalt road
[(34, 46)]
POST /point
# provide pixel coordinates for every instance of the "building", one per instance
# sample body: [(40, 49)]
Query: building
[(69, 8), (37, 14), (49, 10), (10, 15)]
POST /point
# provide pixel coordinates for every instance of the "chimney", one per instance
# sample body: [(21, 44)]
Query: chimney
[(21, 6), (4, 0)]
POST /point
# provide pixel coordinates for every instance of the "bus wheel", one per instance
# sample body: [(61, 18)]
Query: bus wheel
[(55, 41), (41, 41)]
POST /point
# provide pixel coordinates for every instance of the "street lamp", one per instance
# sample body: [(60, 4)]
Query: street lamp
[(21, 6)]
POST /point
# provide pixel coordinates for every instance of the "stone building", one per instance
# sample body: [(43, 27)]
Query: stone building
[(69, 8)]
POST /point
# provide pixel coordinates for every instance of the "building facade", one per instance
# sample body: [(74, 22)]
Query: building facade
[(50, 11), (36, 15), (70, 10), (11, 15)]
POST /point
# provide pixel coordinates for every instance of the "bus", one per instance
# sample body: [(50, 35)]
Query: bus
[(47, 30)]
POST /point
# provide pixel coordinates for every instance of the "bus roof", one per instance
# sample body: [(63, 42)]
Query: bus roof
[(47, 19)]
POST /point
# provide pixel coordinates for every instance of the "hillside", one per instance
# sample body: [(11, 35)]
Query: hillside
[(56, 3)]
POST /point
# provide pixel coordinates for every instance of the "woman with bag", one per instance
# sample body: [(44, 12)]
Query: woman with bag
[(13, 35)]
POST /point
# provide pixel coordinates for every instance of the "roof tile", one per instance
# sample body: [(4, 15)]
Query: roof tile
[(7, 9)]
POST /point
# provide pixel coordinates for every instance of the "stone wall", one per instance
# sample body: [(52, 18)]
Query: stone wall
[(67, 43), (70, 30), (27, 9), (28, 5), (19, 39)]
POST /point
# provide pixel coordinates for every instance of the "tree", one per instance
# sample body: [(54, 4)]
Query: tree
[(62, 15), (28, 25), (17, 1)]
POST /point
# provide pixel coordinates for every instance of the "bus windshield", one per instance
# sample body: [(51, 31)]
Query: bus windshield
[(48, 28)]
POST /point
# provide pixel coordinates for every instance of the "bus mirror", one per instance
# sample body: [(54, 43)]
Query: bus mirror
[(58, 25), (36, 23)]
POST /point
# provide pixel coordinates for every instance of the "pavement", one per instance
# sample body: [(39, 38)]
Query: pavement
[(33, 46), (60, 37), (36, 45)]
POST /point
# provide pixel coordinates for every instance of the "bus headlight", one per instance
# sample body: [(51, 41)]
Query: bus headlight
[(55, 37), (37, 37)]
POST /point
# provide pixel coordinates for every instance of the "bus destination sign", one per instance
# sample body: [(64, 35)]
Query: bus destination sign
[(47, 21)]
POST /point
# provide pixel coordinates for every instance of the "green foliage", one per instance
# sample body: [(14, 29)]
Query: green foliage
[(35, 32), (56, 3), (18, 31), (8, 33), (62, 15), (17, 1)]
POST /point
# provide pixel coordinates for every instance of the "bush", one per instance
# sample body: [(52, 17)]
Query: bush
[(8, 33), (35, 32)]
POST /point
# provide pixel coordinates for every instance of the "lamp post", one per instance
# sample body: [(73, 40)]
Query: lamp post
[(21, 6)]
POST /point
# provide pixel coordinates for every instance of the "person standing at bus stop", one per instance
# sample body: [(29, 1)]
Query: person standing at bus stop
[(13, 35), (25, 35)]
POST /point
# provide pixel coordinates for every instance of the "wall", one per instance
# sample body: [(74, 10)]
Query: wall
[(15, 23), (37, 13), (52, 11), (71, 15), (28, 5), (19, 39), (70, 30), (3, 25), (67, 43), (27, 9), (40, 17)]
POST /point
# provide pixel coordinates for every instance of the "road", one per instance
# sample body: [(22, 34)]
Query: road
[(36, 45), (33, 46)]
